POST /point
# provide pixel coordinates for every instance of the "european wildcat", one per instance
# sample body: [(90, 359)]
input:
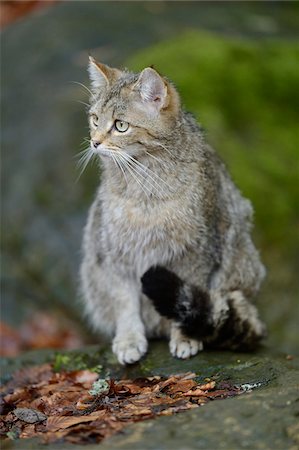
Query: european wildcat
[(168, 220)]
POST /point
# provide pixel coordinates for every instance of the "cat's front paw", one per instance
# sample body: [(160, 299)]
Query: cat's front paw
[(129, 348), (162, 286), (181, 346)]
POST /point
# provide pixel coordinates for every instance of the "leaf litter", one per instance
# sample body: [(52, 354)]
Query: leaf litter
[(79, 407)]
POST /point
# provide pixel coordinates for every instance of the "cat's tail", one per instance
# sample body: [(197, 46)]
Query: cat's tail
[(237, 327)]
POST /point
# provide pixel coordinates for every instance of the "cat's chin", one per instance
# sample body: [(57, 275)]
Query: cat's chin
[(103, 153)]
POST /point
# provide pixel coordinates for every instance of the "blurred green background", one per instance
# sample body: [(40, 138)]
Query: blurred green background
[(236, 65)]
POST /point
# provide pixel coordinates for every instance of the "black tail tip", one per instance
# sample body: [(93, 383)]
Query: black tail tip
[(162, 287), (158, 279)]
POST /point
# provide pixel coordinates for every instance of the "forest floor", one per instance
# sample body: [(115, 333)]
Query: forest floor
[(215, 400)]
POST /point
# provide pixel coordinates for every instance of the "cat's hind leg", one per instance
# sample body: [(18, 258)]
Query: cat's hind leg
[(182, 346), (239, 326)]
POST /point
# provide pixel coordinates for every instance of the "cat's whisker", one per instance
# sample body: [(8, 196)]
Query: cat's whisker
[(131, 171), (83, 164), (134, 168), (134, 175), (146, 183), (160, 161), (92, 95), (119, 162), (113, 159), (137, 180), (145, 170), (87, 143), (154, 157), (84, 161), (85, 150), (164, 147), (82, 155), (83, 103), (85, 87), (83, 169)]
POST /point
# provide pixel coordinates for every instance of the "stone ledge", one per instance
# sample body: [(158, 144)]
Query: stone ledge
[(263, 418)]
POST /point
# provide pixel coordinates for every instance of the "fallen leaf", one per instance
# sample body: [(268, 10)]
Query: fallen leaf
[(195, 393), (56, 423), (85, 376), (207, 386), (128, 388), (75, 416), (28, 432), (181, 386), (29, 376), (163, 384), (16, 396)]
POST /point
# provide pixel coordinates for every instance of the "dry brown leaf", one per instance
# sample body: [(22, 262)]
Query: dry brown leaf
[(85, 376), (77, 417), (219, 393), (181, 386), (131, 388), (55, 423), (60, 387), (207, 386), (28, 432), (29, 376), (16, 396), (195, 393), (84, 402), (163, 384)]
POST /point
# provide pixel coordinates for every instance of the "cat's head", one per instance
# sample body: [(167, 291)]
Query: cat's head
[(130, 112)]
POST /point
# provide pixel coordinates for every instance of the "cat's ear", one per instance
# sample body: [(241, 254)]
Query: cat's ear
[(152, 88), (101, 75)]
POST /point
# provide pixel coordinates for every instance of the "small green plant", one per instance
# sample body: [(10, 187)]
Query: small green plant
[(61, 362)]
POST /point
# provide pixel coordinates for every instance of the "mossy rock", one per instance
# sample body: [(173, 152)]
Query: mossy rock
[(264, 417)]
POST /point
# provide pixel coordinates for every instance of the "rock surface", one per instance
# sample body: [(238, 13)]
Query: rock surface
[(265, 417)]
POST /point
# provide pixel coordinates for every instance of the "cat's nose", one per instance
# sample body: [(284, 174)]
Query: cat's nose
[(95, 143)]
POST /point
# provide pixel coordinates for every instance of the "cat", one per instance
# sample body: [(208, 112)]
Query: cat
[(167, 248)]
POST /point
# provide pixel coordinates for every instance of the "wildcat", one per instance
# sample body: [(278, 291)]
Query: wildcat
[(167, 248)]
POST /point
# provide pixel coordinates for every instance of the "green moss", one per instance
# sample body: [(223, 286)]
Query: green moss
[(246, 95), (75, 361)]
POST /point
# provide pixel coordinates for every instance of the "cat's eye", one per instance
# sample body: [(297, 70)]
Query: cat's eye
[(94, 120), (121, 126)]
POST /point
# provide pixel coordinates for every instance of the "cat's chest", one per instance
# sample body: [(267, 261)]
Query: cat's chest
[(143, 235)]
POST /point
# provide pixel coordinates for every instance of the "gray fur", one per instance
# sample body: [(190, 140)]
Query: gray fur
[(195, 222)]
